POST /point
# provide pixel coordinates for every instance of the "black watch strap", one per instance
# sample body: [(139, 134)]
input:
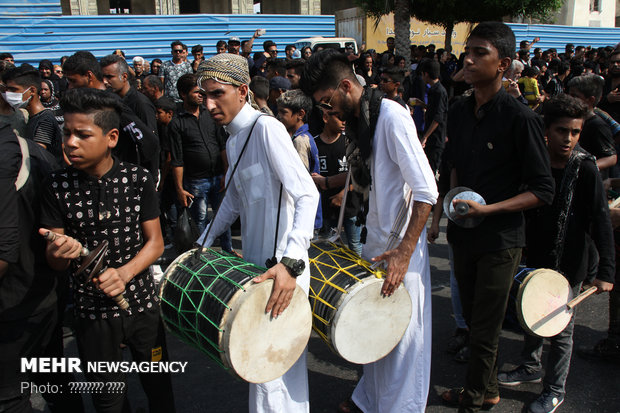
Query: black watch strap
[(294, 267)]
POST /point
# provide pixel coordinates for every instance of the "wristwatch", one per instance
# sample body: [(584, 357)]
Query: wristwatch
[(294, 267)]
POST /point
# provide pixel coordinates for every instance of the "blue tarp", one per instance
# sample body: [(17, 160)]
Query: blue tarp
[(32, 39)]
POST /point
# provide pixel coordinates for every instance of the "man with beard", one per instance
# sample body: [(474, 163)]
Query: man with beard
[(388, 161), (269, 163)]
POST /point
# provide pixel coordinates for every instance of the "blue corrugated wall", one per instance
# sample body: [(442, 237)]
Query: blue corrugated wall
[(30, 8), (557, 36), (32, 39)]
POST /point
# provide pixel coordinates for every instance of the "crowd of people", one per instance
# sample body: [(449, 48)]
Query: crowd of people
[(119, 148)]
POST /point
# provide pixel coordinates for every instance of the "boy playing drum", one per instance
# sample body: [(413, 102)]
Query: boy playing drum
[(556, 238)]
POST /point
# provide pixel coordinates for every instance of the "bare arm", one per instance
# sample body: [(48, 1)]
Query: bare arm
[(4, 266), (397, 260), (521, 202), (606, 162), (112, 281), (335, 181), (182, 194), (429, 132)]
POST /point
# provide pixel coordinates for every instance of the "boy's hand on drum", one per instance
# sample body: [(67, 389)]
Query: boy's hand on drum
[(397, 262), (63, 247), (602, 286), (112, 282), (283, 288)]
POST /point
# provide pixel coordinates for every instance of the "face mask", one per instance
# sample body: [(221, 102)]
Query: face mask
[(15, 99)]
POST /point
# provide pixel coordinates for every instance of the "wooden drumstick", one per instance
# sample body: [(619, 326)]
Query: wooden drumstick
[(572, 303), (84, 252)]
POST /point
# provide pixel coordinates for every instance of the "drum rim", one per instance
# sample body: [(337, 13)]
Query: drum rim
[(520, 293)]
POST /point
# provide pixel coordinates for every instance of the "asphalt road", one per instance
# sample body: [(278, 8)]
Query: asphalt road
[(205, 387)]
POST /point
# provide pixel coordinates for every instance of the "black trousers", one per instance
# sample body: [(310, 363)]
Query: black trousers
[(143, 333), (484, 285)]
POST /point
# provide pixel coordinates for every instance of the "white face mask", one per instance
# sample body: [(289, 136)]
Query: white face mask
[(15, 99)]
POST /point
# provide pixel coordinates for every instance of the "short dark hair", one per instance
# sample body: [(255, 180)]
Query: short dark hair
[(523, 53), (105, 106), (289, 47), (499, 35), (588, 85), (81, 63), (397, 75), (295, 100), (278, 65), (178, 43), (111, 59), (197, 48), (153, 80), (324, 70), (563, 106), (24, 76), (221, 43), (186, 83), (5, 55), (156, 61), (5, 65), (260, 87), (430, 67), (166, 104), (524, 43), (267, 44), (297, 65)]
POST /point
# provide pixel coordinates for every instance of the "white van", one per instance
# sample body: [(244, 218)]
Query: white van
[(340, 43)]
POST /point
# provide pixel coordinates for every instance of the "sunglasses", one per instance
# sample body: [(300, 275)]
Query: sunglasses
[(177, 50), (328, 105)]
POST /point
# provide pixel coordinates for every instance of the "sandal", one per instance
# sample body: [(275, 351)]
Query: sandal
[(453, 397), (348, 406)]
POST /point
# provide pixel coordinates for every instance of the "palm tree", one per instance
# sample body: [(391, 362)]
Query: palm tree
[(401, 29)]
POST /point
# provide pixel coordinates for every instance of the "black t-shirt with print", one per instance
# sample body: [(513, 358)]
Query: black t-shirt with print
[(333, 161), (111, 208)]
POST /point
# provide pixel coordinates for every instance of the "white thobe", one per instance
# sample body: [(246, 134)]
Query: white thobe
[(269, 159), (399, 382)]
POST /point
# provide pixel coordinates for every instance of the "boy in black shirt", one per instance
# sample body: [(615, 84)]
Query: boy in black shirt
[(23, 86), (101, 198), (556, 238), (596, 137), (332, 147)]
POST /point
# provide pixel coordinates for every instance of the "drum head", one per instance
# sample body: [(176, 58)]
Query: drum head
[(258, 347), (541, 303), (368, 325)]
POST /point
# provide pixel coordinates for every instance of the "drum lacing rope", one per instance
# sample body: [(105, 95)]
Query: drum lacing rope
[(203, 291), (333, 286)]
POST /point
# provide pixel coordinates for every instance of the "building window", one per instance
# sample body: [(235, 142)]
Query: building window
[(595, 5), (120, 6)]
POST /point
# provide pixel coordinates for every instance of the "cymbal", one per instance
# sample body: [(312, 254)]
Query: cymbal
[(455, 213)]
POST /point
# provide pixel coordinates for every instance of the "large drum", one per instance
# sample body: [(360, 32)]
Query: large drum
[(209, 301), (348, 310)]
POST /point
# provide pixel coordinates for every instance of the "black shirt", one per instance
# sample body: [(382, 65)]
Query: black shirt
[(196, 144), (29, 285), (612, 108), (43, 128), (333, 161), (436, 110), (596, 138), (137, 144), (589, 215), (499, 152), (111, 208), (142, 107)]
